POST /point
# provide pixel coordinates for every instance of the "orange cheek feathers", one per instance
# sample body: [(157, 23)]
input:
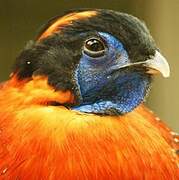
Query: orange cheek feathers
[(37, 91)]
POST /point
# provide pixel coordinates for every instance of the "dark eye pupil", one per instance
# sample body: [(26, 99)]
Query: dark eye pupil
[(94, 45)]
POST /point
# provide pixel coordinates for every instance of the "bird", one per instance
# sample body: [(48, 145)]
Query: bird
[(74, 107)]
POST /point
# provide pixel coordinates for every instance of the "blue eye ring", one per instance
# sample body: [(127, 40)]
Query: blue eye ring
[(94, 47)]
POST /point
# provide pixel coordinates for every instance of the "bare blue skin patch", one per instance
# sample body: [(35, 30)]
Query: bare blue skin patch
[(105, 90)]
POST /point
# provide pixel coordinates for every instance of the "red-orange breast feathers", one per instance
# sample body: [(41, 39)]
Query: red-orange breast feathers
[(39, 141)]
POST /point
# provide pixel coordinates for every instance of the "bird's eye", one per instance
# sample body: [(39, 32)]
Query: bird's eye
[(94, 47)]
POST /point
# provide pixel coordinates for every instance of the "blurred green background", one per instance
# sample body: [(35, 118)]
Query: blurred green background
[(20, 21)]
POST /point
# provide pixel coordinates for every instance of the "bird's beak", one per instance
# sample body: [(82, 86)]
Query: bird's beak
[(158, 64)]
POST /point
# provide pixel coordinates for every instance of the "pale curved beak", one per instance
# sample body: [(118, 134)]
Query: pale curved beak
[(158, 64)]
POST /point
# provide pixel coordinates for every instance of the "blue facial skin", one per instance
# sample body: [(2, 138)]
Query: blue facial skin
[(105, 90)]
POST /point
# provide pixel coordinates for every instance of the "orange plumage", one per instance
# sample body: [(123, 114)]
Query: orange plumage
[(55, 143), (42, 137)]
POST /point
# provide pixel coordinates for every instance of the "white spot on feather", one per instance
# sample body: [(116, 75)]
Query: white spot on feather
[(176, 140), (157, 118), (174, 133), (4, 171)]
